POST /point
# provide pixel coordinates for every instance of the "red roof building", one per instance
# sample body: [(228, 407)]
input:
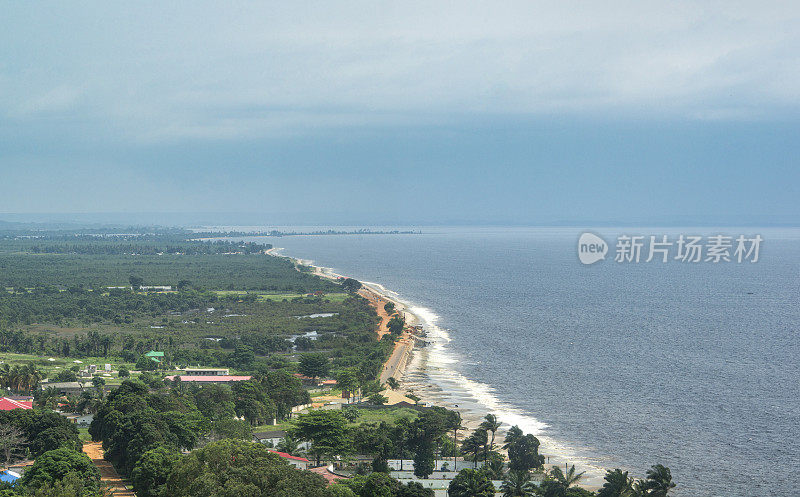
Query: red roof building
[(297, 462), (7, 404)]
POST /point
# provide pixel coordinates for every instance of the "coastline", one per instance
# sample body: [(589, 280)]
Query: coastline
[(418, 373), (395, 365), (402, 360)]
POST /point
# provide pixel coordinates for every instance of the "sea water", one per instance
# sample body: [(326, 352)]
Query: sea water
[(694, 366)]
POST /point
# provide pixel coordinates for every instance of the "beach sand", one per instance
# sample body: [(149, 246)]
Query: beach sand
[(410, 366)]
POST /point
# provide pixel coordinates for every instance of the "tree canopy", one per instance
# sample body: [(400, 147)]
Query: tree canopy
[(233, 468)]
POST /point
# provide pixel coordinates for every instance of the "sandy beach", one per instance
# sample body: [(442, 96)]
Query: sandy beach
[(408, 362)]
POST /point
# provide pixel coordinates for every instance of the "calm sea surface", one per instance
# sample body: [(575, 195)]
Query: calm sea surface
[(611, 365)]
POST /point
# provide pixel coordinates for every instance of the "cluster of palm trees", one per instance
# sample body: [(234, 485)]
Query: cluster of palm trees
[(557, 482), (481, 441), (20, 378), (657, 483)]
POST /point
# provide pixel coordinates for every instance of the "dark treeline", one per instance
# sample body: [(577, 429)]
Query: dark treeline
[(278, 233), (126, 244), (179, 323), (209, 271), (187, 248), (65, 230), (86, 306), (60, 468)]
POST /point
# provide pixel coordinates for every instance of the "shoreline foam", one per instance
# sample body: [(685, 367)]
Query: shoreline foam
[(426, 374)]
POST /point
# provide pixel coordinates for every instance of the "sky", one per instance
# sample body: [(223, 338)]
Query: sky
[(533, 113)]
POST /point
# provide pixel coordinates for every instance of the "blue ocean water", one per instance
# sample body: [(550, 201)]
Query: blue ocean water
[(694, 366)]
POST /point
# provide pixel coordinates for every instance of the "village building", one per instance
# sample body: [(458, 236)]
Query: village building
[(9, 404), (208, 379), (296, 461)]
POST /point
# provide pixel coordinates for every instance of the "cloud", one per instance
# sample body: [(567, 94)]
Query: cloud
[(161, 72)]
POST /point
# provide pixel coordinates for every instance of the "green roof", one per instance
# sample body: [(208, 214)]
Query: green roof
[(153, 353)]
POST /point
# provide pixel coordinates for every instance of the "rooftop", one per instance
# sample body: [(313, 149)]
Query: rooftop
[(289, 456), (326, 473), (208, 378), (270, 434), (7, 404)]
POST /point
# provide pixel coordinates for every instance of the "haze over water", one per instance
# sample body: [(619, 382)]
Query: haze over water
[(616, 365)]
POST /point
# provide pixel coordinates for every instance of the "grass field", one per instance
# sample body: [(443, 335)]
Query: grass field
[(84, 434), (51, 368), (365, 416), (45, 364)]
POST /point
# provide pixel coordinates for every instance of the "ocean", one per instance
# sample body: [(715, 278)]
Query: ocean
[(694, 366)]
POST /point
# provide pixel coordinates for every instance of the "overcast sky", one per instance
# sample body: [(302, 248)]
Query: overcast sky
[(404, 112)]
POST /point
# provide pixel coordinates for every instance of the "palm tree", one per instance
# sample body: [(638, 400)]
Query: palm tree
[(5, 377), (658, 481), (473, 444), (491, 424), (30, 377), (513, 434), (289, 445), (470, 483), (618, 484), (481, 440), (20, 378), (567, 479), (495, 467), (518, 484), (456, 427), (393, 383)]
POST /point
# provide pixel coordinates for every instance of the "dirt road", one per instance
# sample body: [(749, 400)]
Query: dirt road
[(397, 362), (378, 302), (108, 474), (394, 366)]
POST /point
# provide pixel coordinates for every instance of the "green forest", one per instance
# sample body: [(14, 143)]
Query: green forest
[(71, 299)]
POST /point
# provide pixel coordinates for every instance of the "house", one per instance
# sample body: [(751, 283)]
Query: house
[(203, 380), (82, 420), (273, 438), (206, 372), (297, 462), (8, 404), (270, 438), (67, 387), (155, 356)]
